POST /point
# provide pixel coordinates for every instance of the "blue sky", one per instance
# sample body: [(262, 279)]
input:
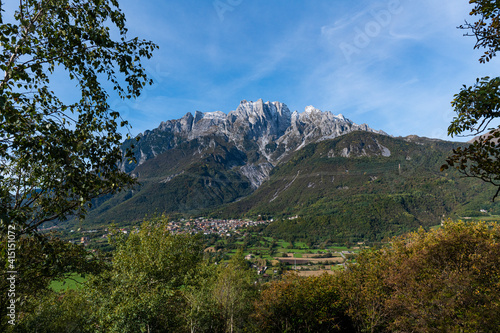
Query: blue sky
[(393, 64)]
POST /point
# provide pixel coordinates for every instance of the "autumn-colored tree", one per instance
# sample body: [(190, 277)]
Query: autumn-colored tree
[(299, 304), (365, 291), (444, 280)]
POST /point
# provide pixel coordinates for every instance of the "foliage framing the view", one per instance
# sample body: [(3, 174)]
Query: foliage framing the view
[(478, 105), (55, 155)]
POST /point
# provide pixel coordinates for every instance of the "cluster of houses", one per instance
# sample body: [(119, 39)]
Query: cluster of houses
[(203, 225), (209, 226)]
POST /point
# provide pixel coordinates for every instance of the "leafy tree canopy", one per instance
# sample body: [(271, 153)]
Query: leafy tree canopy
[(478, 105), (142, 290), (56, 155), (487, 27)]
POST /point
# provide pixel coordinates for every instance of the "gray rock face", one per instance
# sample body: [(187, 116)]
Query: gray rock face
[(259, 119), (251, 120), (373, 148), (315, 125), (257, 174), (264, 131)]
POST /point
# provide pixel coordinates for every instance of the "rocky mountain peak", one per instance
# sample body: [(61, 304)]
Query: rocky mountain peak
[(311, 109), (311, 112), (261, 111), (267, 131), (259, 121)]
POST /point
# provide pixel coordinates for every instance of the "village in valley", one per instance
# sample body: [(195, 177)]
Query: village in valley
[(205, 226), (209, 226), (224, 237)]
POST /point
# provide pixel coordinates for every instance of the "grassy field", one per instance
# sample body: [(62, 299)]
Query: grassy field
[(308, 258), (307, 261), (72, 282)]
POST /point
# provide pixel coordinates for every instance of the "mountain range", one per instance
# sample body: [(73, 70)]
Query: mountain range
[(264, 132), (262, 159)]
